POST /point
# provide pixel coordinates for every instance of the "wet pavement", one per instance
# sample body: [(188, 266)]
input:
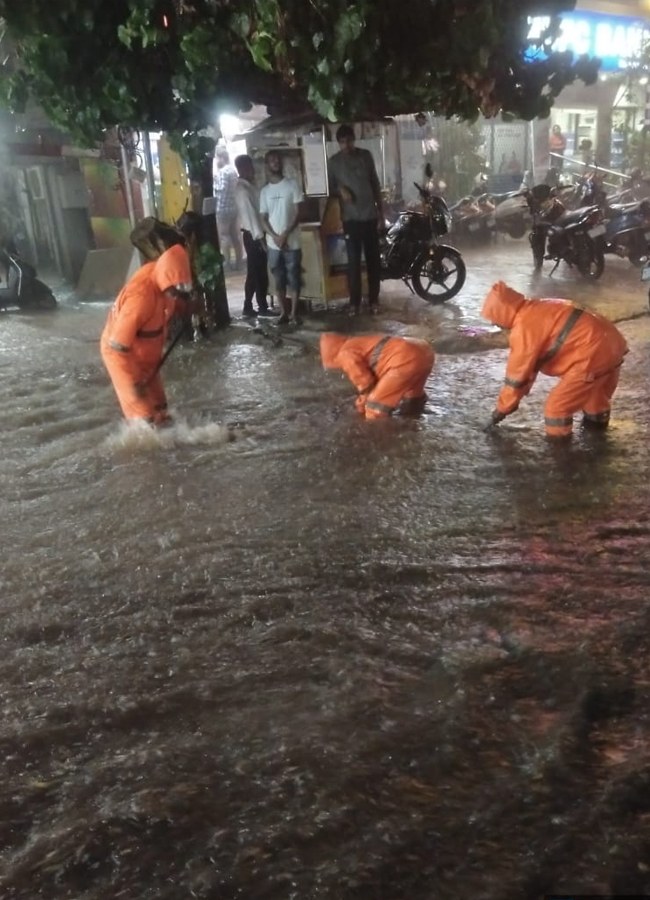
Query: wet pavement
[(277, 652)]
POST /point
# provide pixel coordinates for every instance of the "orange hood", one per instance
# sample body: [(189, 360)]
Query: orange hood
[(502, 305), (330, 346), (173, 268)]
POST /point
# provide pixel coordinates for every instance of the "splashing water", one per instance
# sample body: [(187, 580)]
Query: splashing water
[(140, 436)]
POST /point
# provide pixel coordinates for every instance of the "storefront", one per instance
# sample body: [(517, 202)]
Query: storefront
[(305, 143), (592, 124)]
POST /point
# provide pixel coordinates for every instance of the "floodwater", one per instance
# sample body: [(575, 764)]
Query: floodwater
[(276, 652)]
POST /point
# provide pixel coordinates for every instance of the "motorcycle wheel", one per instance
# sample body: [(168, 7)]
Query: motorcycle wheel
[(639, 254), (46, 301), (439, 277), (638, 261), (591, 261), (39, 298), (517, 228)]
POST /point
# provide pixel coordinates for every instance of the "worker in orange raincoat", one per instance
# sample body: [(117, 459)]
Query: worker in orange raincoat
[(557, 338), (134, 336), (385, 370)]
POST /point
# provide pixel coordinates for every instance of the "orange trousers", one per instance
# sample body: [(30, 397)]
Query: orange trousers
[(402, 382), (153, 405), (573, 394)]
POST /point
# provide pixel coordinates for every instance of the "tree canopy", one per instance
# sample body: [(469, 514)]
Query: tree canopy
[(172, 65)]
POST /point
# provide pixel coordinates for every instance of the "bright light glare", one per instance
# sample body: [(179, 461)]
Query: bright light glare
[(229, 125)]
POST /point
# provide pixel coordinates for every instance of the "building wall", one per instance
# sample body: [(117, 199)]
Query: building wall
[(614, 7)]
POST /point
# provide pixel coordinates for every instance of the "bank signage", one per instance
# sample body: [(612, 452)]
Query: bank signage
[(616, 40)]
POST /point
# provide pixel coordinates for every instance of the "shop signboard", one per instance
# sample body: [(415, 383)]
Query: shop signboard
[(615, 40)]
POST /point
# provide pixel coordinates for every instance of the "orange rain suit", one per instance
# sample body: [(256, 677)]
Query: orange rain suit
[(383, 369), (134, 336), (557, 338)]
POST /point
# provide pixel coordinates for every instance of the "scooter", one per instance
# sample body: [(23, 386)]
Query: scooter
[(23, 289)]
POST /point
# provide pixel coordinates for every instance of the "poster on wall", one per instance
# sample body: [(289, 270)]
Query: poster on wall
[(315, 165), (506, 147), (109, 216)]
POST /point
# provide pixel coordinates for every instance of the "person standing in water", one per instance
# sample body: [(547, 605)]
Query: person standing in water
[(133, 339), (386, 371)]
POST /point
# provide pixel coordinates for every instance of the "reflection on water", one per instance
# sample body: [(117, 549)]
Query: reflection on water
[(276, 653)]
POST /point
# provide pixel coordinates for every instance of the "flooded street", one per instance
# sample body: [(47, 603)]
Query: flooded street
[(279, 653)]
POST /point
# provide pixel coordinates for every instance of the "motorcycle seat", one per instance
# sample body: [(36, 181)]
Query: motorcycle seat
[(499, 198), (575, 216)]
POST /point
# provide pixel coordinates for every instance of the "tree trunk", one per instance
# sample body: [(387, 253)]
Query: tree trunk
[(204, 231)]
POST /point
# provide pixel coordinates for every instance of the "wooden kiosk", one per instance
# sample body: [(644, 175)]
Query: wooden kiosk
[(305, 143)]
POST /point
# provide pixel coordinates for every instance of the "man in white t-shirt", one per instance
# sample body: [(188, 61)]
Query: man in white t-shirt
[(280, 201)]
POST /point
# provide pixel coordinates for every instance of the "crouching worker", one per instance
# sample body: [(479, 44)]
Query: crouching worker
[(557, 338), (386, 371), (134, 336)]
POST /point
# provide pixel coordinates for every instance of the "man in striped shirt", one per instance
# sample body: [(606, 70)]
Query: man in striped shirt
[(227, 224)]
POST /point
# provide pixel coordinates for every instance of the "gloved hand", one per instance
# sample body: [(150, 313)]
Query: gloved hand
[(140, 389), (495, 418), (360, 402)]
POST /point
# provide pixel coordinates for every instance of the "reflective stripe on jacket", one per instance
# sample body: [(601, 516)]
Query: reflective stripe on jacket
[(550, 336), (364, 359), (137, 322)]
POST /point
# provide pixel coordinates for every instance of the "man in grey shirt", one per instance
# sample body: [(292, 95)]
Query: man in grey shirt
[(353, 179)]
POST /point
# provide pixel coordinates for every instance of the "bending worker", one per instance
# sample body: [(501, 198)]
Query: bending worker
[(385, 370), (134, 337), (557, 338)]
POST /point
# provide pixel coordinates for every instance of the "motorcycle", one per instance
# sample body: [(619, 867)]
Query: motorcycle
[(628, 231), (573, 237), (23, 289), (463, 215), (473, 217), (512, 213), (409, 250)]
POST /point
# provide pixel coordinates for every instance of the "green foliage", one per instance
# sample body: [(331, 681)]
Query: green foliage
[(459, 159), (173, 65), (636, 148), (209, 267)]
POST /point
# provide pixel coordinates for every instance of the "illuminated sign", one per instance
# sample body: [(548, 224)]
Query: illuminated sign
[(616, 40)]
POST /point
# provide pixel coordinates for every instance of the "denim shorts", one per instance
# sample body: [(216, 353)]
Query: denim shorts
[(286, 268)]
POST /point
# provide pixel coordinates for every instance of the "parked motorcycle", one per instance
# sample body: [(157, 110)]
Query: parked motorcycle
[(573, 237), (410, 250), (23, 289), (512, 213), (464, 216), (473, 218), (628, 231)]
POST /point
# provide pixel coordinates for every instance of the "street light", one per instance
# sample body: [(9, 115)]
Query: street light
[(229, 126)]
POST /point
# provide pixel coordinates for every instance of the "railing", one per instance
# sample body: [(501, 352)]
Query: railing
[(577, 162)]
